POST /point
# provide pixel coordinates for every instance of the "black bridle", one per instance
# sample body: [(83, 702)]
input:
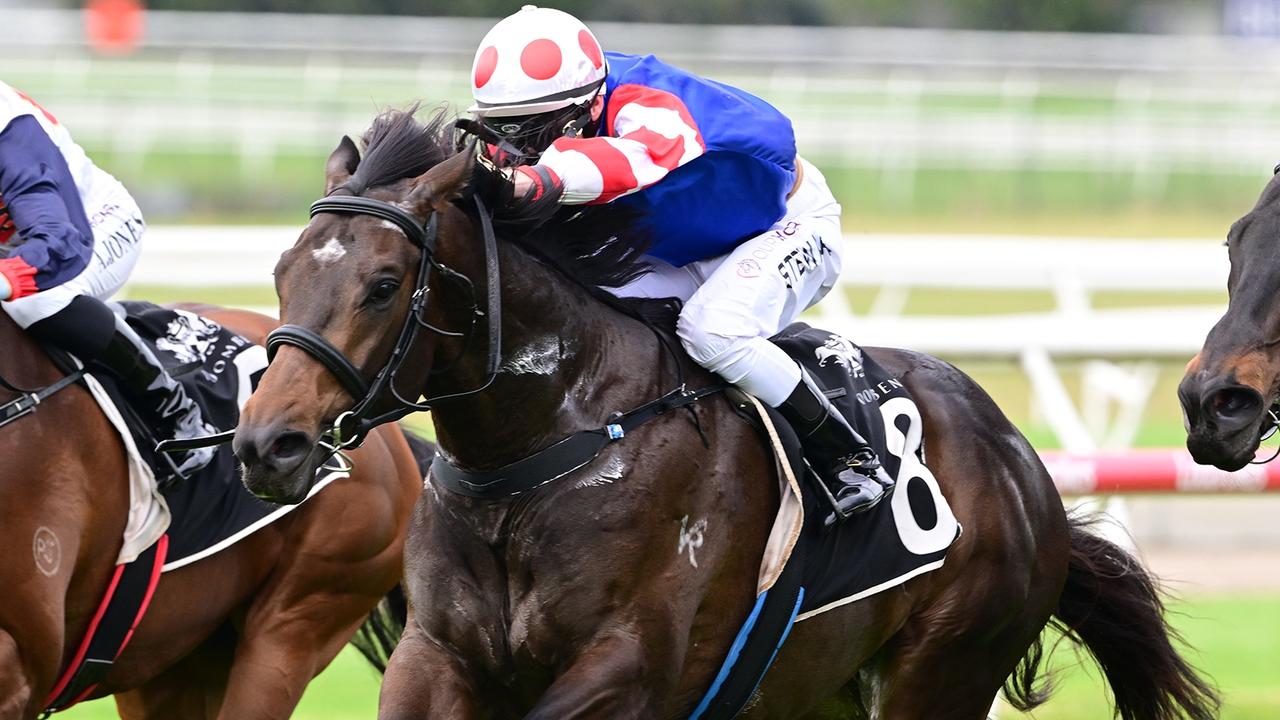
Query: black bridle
[(351, 427)]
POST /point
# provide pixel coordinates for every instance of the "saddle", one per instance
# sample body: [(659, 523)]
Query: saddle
[(208, 513), (809, 569)]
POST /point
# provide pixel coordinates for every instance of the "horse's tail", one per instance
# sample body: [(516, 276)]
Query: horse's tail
[(377, 637), (1112, 606)]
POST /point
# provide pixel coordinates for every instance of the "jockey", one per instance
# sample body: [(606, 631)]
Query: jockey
[(747, 234), (70, 235)]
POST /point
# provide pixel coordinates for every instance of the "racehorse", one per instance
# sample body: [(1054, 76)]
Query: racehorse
[(1231, 387), (236, 635), (577, 598)]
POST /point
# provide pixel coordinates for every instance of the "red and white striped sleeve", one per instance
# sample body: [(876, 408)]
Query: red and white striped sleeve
[(652, 133)]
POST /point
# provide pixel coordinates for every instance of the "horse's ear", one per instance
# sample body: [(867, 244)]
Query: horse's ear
[(341, 164), (442, 184)]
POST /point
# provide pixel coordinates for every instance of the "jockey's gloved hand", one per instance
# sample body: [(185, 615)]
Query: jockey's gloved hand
[(492, 183), (5, 289)]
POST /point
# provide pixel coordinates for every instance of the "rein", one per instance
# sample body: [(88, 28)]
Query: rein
[(27, 400)]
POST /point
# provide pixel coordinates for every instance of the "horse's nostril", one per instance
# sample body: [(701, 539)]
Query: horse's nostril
[(1235, 405), (288, 448)]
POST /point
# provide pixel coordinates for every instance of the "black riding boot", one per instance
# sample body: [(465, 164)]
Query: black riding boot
[(842, 458), (163, 400), (88, 329)]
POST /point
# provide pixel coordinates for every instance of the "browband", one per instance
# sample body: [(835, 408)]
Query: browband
[(417, 231)]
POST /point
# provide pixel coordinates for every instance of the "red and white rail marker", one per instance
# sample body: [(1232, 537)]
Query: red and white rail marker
[(1153, 471)]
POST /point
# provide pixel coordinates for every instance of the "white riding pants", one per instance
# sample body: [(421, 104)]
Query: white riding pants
[(733, 303), (118, 228)]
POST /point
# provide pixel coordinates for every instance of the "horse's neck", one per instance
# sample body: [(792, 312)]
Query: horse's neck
[(562, 369)]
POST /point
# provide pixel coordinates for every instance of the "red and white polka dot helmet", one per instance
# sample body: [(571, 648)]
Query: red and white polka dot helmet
[(535, 61)]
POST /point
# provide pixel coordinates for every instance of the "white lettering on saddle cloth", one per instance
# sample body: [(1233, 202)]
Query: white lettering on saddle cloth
[(188, 337), (691, 537), (911, 468), (843, 353)]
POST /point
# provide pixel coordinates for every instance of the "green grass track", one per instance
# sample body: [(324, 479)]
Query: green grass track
[(1236, 640)]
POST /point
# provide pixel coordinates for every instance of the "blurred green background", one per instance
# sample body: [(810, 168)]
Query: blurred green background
[(1155, 120)]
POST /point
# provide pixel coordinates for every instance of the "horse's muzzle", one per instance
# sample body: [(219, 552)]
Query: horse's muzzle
[(278, 463), (1224, 421)]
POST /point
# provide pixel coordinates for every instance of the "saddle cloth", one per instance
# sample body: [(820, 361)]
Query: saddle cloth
[(202, 515), (808, 569), (212, 510), (900, 538)]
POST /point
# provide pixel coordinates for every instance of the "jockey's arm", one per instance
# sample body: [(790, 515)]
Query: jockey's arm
[(40, 196), (655, 134)]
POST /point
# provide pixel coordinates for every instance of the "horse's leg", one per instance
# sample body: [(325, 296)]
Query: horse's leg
[(607, 680), (60, 550), (190, 689), (301, 617), (824, 652), (283, 648), (16, 684), (935, 671), (293, 630), (422, 675)]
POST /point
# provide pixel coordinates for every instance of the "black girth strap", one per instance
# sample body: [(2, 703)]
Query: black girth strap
[(562, 458)]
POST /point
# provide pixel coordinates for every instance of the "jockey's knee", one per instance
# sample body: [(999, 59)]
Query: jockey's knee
[(751, 362), (715, 351), (83, 327)]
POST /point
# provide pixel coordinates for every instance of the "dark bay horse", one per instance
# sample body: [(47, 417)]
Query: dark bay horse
[(1231, 387), (237, 635), (577, 599)]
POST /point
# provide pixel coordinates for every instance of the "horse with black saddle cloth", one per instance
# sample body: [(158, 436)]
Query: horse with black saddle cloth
[(175, 600), (605, 535)]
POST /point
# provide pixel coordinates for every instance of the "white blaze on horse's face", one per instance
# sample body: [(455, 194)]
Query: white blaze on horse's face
[(331, 251), (392, 226)]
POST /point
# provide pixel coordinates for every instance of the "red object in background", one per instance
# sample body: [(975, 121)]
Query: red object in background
[(113, 27)]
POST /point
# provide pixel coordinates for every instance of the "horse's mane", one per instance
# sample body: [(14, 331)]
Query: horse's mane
[(594, 247)]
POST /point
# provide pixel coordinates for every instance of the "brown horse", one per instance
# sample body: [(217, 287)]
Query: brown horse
[(574, 599), (236, 635), (1232, 386)]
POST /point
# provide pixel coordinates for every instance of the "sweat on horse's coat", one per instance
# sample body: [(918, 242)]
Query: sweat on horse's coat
[(539, 357)]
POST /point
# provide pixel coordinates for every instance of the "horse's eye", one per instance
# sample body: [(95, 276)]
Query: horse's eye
[(383, 291)]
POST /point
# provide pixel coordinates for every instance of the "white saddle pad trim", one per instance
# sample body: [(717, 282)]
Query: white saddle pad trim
[(790, 518), (261, 523), (149, 515)]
